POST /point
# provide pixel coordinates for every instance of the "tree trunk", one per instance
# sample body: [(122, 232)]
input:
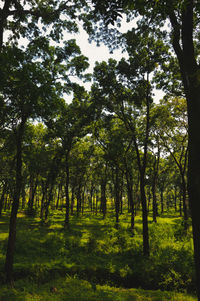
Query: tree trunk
[(58, 195), (67, 191), (154, 184), (2, 197), (33, 187), (103, 198), (175, 198), (117, 196), (6, 203), (91, 196), (162, 201), (194, 175), (185, 209), (96, 204), (83, 201), (155, 206), (78, 197), (183, 44), (129, 183), (51, 178), (15, 206), (72, 201), (146, 251), (44, 195), (23, 196)]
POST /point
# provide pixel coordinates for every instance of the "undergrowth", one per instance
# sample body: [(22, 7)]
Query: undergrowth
[(93, 250)]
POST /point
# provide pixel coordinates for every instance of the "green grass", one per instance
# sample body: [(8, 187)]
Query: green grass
[(93, 253), (71, 289)]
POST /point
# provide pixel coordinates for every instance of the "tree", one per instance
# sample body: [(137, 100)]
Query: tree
[(128, 104), (114, 140), (128, 88), (21, 95), (173, 131), (32, 90), (69, 125), (36, 160), (31, 19), (183, 17)]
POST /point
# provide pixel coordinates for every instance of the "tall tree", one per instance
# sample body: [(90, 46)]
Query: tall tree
[(184, 21), (31, 90), (173, 131), (71, 124)]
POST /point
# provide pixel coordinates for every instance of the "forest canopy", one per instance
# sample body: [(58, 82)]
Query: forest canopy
[(112, 151)]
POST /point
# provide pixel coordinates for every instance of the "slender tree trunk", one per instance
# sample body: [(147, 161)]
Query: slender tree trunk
[(72, 201), (15, 205), (146, 251), (162, 201), (67, 190), (103, 198), (33, 187), (91, 197), (96, 204), (154, 184), (155, 206), (44, 195), (6, 203), (82, 202), (129, 182), (2, 197), (180, 205), (49, 201), (130, 197), (51, 178), (149, 199), (121, 192), (117, 197), (78, 197), (175, 198), (58, 195), (23, 196)]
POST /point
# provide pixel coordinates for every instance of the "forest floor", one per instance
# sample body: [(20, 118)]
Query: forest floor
[(92, 260)]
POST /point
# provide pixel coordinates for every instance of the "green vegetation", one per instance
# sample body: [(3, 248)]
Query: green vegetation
[(99, 189), (95, 261), (72, 289)]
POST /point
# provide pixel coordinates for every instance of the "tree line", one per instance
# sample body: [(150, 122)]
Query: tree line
[(133, 135)]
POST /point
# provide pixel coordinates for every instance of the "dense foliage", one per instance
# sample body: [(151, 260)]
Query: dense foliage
[(110, 157)]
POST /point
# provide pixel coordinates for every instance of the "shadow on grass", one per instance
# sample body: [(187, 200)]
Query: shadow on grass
[(95, 251)]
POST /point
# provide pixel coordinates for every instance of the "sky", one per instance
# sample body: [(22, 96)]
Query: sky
[(99, 54), (102, 53)]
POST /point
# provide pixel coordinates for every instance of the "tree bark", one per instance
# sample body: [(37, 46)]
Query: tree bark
[(103, 198), (33, 187), (2, 197), (184, 48), (154, 184), (15, 206), (145, 230), (194, 177), (67, 190), (117, 196), (129, 182)]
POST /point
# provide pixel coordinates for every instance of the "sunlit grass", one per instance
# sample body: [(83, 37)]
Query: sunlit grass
[(72, 289), (93, 250)]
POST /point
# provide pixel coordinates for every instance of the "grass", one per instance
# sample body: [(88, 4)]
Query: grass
[(95, 261), (72, 289)]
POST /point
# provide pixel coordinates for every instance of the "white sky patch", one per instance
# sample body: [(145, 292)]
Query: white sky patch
[(94, 53)]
